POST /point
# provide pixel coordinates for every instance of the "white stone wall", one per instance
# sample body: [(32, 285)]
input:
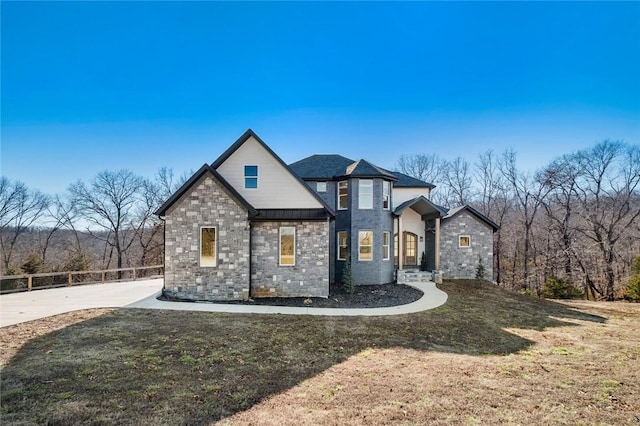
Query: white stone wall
[(461, 262), (207, 204)]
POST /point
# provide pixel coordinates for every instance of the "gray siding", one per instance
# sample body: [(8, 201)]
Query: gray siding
[(461, 262), (207, 204), (310, 275)]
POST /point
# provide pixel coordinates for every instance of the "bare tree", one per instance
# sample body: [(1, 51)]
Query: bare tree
[(20, 208), (606, 193), (457, 179), (110, 203), (427, 167)]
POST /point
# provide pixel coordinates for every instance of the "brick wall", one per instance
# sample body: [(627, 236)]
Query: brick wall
[(309, 277), (207, 204), (461, 262)]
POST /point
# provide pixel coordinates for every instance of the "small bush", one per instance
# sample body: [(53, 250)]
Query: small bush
[(557, 288), (481, 272), (347, 277), (632, 291)]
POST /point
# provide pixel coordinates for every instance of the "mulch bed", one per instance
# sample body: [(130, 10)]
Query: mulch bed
[(365, 296)]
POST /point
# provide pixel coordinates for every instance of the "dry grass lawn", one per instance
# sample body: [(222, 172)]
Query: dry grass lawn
[(486, 357)]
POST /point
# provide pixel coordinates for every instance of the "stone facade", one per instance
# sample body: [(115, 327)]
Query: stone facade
[(207, 204), (309, 277), (461, 262)]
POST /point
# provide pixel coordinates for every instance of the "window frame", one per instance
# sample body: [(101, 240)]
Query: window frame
[(361, 246), (386, 195), (322, 185), (460, 237), (250, 177), (386, 245), (343, 184), (293, 255), (339, 246), (369, 193), (215, 247)]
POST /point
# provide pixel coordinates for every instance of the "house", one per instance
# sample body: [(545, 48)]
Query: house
[(249, 225)]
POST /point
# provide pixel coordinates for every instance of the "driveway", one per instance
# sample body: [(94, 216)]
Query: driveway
[(29, 305)]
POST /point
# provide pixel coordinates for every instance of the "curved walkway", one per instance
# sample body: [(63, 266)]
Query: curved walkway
[(432, 298), (27, 306)]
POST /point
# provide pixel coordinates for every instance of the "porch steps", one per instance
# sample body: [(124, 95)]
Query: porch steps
[(406, 276)]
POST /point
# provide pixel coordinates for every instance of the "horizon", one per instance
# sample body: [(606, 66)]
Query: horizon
[(99, 86)]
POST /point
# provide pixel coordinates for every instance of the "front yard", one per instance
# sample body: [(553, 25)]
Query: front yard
[(486, 356)]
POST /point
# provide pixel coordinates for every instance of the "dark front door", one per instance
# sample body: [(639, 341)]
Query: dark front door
[(410, 248)]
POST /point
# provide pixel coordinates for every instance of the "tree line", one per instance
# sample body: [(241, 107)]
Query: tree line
[(573, 225)]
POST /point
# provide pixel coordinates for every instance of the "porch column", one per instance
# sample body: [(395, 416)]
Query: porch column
[(400, 255), (437, 249)]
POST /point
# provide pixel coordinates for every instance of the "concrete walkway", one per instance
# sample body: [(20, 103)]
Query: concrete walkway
[(432, 298), (21, 307)]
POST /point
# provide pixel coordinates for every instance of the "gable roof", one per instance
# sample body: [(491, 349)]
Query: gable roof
[(193, 179), (457, 210), (422, 205), (363, 168), (250, 133), (321, 166)]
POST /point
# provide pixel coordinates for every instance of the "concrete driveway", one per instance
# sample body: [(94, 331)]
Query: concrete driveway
[(29, 305)]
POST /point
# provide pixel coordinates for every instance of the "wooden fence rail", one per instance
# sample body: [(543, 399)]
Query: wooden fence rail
[(122, 274)]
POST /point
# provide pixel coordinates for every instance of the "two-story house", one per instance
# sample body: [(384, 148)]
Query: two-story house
[(248, 225)]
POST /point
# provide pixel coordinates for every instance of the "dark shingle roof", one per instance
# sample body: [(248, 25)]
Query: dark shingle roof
[(321, 166), (363, 168), (410, 182), (454, 212)]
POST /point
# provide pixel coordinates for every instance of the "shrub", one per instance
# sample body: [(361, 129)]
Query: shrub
[(557, 288), (632, 291), (481, 272), (347, 277), (423, 262)]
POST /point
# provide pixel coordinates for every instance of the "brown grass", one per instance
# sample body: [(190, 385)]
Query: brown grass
[(487, 356)]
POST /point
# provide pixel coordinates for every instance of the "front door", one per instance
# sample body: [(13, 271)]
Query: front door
[(410, 248)]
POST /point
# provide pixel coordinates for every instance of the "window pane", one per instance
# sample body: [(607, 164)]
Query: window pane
[(365, 194), (386, 194), (365, 245), (343, 195), (385, 245), (465, 241), (342, 245), (208, 247), (251, 171), (287, 246), (250, 183)]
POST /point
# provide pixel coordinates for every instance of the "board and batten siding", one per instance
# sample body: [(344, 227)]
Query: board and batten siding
[(277, 188), (400, 195)]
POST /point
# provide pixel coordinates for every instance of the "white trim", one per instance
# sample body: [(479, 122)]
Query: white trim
[(346, 183), (368, 184), (338, 244), (280, 246), (360, 245), (460, 237), (215, 247)]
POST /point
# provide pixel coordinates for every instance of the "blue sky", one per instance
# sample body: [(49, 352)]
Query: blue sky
[(88, 86)]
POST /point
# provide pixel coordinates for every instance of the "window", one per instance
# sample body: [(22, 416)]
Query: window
[(343, 245), (208, 246), (385, 245), (365, 245), (396, 248), (287, 246), (321, 186), (464, 241), (343, 195), (251, 177), (365, 194), (386, 195)]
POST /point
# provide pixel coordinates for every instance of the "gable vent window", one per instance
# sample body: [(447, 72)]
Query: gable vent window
[(251, 177), (464, 241), (321, 187)]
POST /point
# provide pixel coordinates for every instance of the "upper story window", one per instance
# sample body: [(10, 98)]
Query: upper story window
[(208, 246), (343, 195), (365, 194), (386, 195), (251, 177), (321, 186)]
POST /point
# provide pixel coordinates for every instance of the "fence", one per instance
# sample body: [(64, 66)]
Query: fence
[(28, 282)]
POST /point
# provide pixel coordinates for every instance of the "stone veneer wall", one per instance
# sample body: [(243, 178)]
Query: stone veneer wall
[(207, 204), (461, 262), (309, 277)]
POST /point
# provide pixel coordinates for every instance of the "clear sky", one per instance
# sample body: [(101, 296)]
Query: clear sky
[(88, 86)]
